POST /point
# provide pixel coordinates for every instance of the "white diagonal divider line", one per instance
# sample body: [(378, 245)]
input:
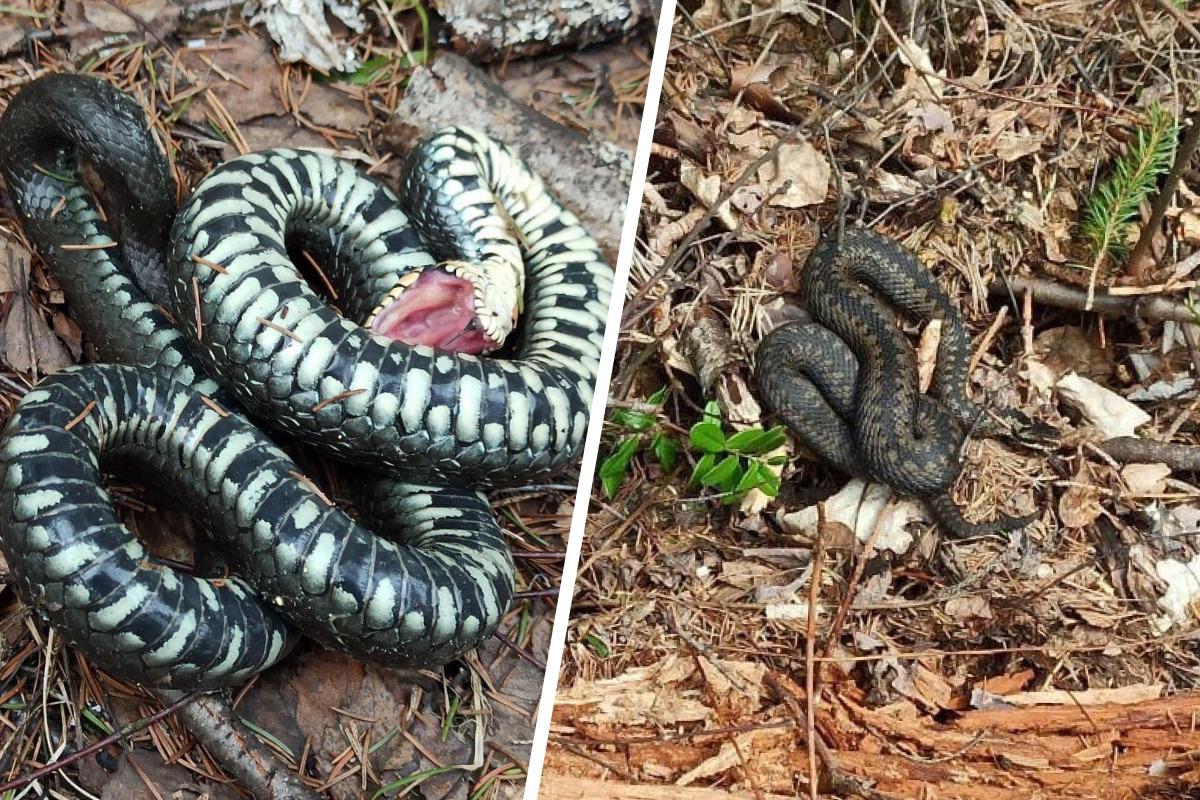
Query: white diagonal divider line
[(587, 468)]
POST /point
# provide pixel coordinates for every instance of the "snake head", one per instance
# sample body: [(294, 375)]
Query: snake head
[(1020, 428), (458, 306)]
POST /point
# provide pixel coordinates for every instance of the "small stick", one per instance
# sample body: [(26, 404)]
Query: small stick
[(210, 264), (988, 336), (99, 744), (337, 398), (280, 329), (810, 648), (208, 401), (1060, 296), (81, 416), (1139, 258), (520, 651), (307, 481), (94, 246), (199, 319), (312, 262), (239, 752)]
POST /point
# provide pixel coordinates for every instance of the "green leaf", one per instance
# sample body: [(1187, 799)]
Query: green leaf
[(724, 475), (768, 482), (616, 466), (755, 441), (706, 436), (666, 450), (702, 468), (712, 411), (658, 397), (633, 419), (366, 72), (751, 479), (596, 644)]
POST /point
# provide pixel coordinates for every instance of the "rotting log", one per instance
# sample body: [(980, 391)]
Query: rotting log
[(589, 176), (490, 30), (562, 787), (1024, 753)]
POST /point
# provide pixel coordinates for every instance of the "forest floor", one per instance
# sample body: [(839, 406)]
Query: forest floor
[(214, 87), (746, 633)]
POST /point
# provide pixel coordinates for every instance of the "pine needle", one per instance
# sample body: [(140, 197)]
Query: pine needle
[(1114, 204)]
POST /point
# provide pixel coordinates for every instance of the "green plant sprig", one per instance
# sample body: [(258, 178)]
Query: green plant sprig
[(736, 464), (733, 464), (1114, 203)]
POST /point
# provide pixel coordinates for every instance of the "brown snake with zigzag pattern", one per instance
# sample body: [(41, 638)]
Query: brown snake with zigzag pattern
[(846, 383)]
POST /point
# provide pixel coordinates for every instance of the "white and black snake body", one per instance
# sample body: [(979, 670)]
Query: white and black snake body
[(432, 576)]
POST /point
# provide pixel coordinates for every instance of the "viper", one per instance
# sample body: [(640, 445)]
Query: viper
[(420, 378), (845, 382)]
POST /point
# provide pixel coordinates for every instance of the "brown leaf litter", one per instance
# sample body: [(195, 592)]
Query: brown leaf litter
[(214, 86), (1060, 661)]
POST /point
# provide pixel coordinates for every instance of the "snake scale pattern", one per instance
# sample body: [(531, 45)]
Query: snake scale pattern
[(209, 314), (845, 383)]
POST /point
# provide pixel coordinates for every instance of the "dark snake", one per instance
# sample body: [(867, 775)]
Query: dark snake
[(438, 276), (845, 383)]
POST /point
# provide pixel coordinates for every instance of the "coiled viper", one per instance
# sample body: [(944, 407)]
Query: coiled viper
[(846, 383)]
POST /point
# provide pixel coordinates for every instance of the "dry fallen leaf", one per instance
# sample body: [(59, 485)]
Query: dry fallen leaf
[(301, 30), (1011, 146), (29, 344), (1111, 414), (860, 506), (1182, 596), (797, 177), (706, 187), (1079, 506), (735, 688), (112, 19), (969, 607), (1189, 227), (925, 687), (14, 268), (1145, 478)]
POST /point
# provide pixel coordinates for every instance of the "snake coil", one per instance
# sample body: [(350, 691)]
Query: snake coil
[(475, 236), (845, 383)]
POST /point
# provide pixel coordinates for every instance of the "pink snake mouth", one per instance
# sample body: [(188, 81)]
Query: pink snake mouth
[(437, 310)]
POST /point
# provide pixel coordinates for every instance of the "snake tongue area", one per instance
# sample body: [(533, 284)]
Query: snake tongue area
[(437, 310)]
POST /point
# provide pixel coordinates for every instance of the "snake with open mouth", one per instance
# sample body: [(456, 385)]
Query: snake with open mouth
[(206, 314), (845, 383)]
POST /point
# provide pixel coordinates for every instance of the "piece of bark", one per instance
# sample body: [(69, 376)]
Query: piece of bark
[(570, 788), (590, 177), (489, 30), (211, 720), (710, 351)]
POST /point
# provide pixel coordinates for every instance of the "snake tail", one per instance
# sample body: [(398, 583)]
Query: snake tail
[(950, 519)]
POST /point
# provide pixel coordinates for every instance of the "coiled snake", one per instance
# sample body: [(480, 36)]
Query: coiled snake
[(846, 383), (476, 235)]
